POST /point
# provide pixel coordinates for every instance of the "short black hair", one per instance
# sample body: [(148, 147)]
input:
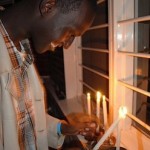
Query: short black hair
[(67, 6)]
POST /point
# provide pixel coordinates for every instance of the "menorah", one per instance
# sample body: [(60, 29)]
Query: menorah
[(104, 140)]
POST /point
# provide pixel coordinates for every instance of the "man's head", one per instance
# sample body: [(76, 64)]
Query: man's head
[(63, 21), (52, 23)]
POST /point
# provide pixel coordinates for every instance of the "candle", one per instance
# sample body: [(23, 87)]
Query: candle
[(98, 97), (118, 138), (122, 114), (89, 103), (105, 112), (107, 133)]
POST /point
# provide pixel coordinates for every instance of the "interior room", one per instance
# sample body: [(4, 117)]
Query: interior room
[(113, 58)]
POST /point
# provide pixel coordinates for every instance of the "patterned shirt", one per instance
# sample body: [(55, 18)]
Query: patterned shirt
[(19, 88)]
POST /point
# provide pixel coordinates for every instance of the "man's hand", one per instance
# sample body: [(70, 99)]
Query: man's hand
[(87, 129), (81, 124)]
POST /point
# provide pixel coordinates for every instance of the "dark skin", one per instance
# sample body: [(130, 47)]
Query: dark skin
[(47, 30)]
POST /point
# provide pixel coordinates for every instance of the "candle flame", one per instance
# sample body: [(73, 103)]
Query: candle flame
[(88, 96), (98, 95), (104, 97), (122, 112)]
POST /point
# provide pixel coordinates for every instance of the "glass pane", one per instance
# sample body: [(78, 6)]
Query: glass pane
[(96, 60), (142, 37), (142, 111), (97, 38), (141, 74), (96, 82), (102, 14), (143, 8)]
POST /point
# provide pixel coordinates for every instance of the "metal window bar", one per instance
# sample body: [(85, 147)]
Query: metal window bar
[(98, 27), (134, 88), (141, 55), (94, 49), (94, 71), (133, 20)]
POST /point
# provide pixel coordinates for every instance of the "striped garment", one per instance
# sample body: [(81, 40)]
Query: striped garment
[(19, 88)]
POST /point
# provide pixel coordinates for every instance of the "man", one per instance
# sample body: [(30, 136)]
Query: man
[(48, 24)]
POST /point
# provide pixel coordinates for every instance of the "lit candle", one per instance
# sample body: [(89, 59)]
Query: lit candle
[(89, 103), (105, 112), (122, 114), (118, 138), (98, 98)]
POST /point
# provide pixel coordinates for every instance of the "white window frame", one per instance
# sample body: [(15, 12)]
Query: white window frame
[(123, 38), (119, 93)]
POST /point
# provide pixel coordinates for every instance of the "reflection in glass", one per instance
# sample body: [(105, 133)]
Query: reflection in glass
[(141, 74), (142, 111)]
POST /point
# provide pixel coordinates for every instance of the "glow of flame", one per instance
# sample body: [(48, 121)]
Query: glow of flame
[(98, 95), (122, 112), (88, 96)]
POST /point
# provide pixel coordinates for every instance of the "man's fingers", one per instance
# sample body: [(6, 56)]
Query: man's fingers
[(90, 136), (90, 126), (93, 125)]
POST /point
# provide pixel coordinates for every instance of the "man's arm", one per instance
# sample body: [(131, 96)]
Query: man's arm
[(54, 140)]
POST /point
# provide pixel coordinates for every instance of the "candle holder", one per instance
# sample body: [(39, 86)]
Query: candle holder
[(108, 143)]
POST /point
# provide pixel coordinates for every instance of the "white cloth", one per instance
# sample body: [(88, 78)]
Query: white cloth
[(46, 130)]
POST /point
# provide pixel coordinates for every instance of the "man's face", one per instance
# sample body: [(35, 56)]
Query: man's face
[(61, 29), (71, 26)]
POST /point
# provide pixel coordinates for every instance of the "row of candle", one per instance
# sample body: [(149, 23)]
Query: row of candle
[(98, 100), (122, 114)]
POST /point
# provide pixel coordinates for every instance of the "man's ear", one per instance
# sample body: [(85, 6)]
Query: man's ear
[(46, 6)]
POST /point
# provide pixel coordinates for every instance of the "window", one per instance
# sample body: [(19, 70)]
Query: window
[(116, 60), (132, 47), (95, 54)]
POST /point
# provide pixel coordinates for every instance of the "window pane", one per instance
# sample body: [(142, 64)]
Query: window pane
[(96, 82), (143, 8), (142, 110), (142, 37), (96, 60), (97, 38), (102, 14), (141, 74)]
